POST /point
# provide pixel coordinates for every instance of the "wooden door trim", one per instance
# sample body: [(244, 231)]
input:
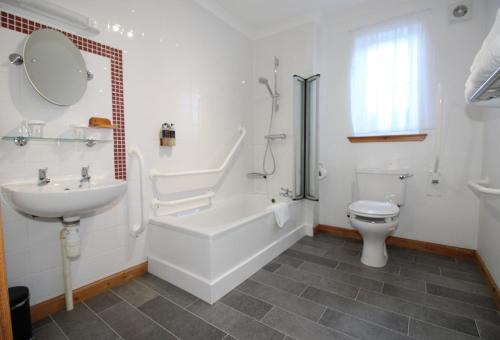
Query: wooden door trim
[(5, 324)]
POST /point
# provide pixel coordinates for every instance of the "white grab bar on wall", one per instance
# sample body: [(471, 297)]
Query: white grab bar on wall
[(136, 230), (155, 173), (481, 186), (438, 145), (157, 203)]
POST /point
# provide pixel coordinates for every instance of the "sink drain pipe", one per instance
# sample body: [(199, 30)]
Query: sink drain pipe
[(70, 249)]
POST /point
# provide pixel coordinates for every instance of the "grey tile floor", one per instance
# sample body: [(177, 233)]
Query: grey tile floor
[(316, 290)]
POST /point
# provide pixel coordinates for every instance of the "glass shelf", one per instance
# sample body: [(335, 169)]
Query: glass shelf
[(22, 141)]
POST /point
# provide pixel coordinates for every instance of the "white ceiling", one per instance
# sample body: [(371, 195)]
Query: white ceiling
[(257, 18)]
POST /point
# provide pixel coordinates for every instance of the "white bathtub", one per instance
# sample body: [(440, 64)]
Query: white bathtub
[(210, 252)]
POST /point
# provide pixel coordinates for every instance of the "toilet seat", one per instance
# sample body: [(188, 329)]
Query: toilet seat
[(374, 209), (375, 220)]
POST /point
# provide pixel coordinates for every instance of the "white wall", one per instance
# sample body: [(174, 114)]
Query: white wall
[(184, 66), (296, 50), (489, 214), (451, 217), (191, 69)]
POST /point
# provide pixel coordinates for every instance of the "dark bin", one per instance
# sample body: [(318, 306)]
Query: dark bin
[(19, 299)]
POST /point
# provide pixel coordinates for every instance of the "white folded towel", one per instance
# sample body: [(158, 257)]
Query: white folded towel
[(281, 213), (485, 63)]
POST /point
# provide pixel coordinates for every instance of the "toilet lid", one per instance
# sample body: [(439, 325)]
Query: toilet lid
[(374, 208)]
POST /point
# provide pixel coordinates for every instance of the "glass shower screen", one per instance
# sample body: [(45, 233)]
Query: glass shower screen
[(306, 96)]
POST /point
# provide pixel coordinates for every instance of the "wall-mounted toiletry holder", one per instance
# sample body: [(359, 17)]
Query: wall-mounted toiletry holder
[(22, 141)]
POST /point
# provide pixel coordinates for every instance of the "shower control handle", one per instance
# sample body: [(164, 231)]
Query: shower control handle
[(405, 176)]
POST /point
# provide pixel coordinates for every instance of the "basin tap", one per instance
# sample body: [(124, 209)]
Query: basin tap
[(42, 177), (85, 175)]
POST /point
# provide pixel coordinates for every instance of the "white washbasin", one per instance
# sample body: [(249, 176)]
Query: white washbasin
[(64, 198)]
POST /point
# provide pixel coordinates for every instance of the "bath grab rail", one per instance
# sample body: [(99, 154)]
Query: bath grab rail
[(157, 203), (155, 173), (136, 230), (481, 187)]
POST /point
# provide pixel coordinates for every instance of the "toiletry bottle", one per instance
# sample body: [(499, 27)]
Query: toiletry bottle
[(164, 134), (171, 136)]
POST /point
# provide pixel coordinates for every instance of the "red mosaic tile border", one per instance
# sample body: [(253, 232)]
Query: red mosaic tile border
[(23, 25)]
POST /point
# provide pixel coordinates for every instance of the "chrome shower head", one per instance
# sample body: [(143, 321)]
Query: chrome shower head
[(265, 82)]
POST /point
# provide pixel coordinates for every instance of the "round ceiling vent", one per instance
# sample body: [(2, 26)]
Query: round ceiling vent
[(460, 11)]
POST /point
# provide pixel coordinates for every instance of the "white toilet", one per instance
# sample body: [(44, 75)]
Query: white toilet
[(375, 214)]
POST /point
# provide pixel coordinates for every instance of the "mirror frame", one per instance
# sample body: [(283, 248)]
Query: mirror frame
[(42, 85)]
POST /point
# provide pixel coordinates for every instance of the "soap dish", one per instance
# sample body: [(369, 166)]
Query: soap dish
[(101, 123)]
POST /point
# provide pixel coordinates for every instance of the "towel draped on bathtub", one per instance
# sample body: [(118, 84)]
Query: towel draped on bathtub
[(281, 213)]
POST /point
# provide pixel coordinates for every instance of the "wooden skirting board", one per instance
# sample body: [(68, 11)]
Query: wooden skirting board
[(440, 249), (56, 304), (403, 242)]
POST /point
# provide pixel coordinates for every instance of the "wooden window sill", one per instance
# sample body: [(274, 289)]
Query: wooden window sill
[(388, 138)]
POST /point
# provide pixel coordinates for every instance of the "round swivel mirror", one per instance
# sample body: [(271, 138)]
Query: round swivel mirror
[(55, 67)]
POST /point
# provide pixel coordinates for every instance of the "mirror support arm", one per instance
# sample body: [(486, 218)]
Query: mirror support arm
[(16, 59)]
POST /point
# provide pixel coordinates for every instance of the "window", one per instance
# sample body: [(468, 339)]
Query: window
[(389, 80)]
